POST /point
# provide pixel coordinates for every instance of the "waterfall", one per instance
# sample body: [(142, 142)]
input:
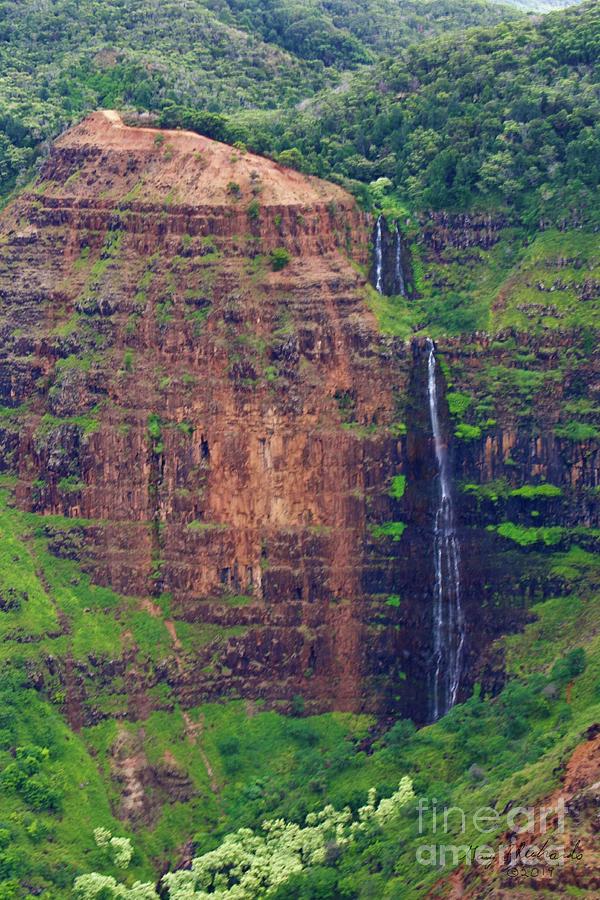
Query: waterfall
[(378, 258), (448, 619), (399, 283)]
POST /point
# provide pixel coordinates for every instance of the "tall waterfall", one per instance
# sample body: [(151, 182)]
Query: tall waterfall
[(448, 618), (399, 282), (378, 257)]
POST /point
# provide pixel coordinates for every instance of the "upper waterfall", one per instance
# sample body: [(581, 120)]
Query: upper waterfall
[(399, 280), (378, 257)]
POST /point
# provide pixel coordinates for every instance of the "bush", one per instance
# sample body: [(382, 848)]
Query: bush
[(399, 733), (570, 667), (228, 746), (280, 257), (298, 705), (40, 794), (466, 432), (319, 883), (253, 210)]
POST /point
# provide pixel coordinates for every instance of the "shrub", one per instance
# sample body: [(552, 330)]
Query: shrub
[(458, 403), (71, 484), (40, 794), (228, 746), (570, 667), (577, 431), (253, 210), (395, 530), (466, 432), (398, 487), (537, 491), (399, 733), (128, 360), (280, 257)]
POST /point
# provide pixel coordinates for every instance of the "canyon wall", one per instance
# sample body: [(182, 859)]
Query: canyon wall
[(193, 382)]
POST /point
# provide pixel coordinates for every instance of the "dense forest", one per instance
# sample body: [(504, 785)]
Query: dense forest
[(504, 118), (59, 61)]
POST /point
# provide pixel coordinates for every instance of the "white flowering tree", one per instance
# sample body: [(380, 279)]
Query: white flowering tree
[(249, 864)]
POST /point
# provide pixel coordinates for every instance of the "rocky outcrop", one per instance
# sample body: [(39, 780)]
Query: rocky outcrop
[(441, 230)]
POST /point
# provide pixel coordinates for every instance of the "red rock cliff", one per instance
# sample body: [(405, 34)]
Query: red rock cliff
[(222, 429)]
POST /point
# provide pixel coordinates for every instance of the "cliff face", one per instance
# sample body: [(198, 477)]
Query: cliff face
[(221, 429), (192, 376)]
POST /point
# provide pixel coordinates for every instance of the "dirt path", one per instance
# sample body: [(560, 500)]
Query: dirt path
[(193, 730)]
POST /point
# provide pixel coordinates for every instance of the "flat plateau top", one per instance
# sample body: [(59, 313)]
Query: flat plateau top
[(179, 167)]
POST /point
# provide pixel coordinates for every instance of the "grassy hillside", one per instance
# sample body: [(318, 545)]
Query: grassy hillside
[(57, 785), (264, 765)]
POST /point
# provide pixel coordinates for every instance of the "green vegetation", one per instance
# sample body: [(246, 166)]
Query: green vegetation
[(394, 530), (466, 432), (527, 537), (458, 403), (537, 491), (475, 122), (59, 62), (280, 258), (398, 487), (577, 431), (501, 123)]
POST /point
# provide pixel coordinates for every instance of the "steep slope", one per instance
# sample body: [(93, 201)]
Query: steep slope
[(192, 374)]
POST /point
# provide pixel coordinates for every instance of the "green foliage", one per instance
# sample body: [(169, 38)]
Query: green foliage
[(66, 59), (570, 667), (537, 492), (253, 210), (527, 537), (398, 487), (577, 431), (394, 530), (128, 360), (71, 484), (458, 403), (154, 426), (457, 124), (466, 432), (490, 490), (249, 864), (280, 258)]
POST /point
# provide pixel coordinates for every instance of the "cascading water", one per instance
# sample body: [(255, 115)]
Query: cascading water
[(448, 618), (378, 257), (399, 282)]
